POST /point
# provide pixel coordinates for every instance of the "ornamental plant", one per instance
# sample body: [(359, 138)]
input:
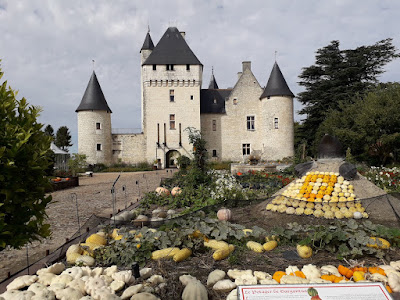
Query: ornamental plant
[(387, 179), (24, 158)]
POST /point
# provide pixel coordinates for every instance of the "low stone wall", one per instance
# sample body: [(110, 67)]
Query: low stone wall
[(245, 168), (65, 184)]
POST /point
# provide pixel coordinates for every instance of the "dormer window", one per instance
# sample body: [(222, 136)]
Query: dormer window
[(170, 67)]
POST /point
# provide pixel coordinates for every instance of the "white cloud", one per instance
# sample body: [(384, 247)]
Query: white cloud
[(48, 46)]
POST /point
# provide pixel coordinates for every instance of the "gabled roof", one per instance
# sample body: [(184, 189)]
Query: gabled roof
[(148, 43), (207, 103), (57, 150), (213, 83), (172, 49), (93, 99), (276, 85)]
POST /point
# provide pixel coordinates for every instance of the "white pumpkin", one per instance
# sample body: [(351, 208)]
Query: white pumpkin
[(224, 214)]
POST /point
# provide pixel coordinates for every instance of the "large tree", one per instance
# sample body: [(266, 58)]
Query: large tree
[(336, 77), (24, 158), (49, 131), (370, 126), (63, 138)]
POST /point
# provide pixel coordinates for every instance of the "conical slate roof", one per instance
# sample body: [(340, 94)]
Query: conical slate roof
[(93, 99), (172, 49), (148, 43), (276, 85), (213, 83)]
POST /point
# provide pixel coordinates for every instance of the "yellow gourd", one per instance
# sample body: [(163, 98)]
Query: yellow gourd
[(358, 275), (256, 247), (378, 243), (271, 245), (304, 251), (96, 239), (164, 253), (223, 252), (182, 254), (214, 244)]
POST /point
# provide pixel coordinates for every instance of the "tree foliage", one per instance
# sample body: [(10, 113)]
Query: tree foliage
[(337, 76), (63, 138), (49, 131), (370, 126), (77, 163), (24, 157)]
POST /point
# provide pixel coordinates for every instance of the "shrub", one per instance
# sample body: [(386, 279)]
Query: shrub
[(24, 158)]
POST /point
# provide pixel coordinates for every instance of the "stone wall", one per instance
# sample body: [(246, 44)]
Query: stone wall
[(129, 148)]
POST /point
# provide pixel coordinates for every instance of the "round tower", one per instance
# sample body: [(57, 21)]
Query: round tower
[(94, 125), (277, 103)]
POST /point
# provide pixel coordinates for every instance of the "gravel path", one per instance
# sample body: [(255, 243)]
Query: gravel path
[(94, 197)]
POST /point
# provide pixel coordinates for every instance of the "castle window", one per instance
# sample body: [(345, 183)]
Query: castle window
[(276, 123), (214, 125), (191, 97), (246, 149), (187, 67), (171, 121), (171, 95), (250, 123), (170, 67), (214, 153), (98, 147), (215, 101), (98, 126), (235, 101), (154, 67)]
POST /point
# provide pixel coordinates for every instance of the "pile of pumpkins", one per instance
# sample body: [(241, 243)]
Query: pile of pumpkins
[(320, 194)]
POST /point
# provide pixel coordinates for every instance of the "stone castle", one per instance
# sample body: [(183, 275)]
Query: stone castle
[(234, 122)]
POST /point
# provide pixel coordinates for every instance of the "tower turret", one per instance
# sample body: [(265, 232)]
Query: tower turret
[(94, 124), (277, 103), (147, 47), (171, 82)]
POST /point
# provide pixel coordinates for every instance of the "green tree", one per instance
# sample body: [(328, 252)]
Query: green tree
[(370, 126), (63, 138), (24, 157), (49, 131), (77, 163), (336, 77)]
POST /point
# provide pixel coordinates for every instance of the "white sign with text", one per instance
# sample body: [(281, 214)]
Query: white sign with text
[(348, 291)]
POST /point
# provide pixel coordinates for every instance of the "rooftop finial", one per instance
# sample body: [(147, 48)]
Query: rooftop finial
[(93, 63), (148, 27), (212, 70), (276, 52)]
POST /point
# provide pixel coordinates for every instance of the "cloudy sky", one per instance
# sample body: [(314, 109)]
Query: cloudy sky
[(47, 46)]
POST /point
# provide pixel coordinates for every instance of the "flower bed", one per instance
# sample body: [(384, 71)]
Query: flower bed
[(387, 179)]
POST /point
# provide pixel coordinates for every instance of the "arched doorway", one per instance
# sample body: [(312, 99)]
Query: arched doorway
[(171, 159)]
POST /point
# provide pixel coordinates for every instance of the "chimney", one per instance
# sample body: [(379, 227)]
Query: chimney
[(239, 74), (183, 34), (246, 65)]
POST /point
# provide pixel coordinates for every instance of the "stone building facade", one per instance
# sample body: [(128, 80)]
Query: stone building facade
[(235, 122)]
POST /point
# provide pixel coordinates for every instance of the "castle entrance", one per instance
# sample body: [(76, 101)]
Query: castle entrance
[(171, 159)]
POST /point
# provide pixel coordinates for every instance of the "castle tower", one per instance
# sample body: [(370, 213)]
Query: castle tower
[(171, 81), (94, 125), (277, 106)]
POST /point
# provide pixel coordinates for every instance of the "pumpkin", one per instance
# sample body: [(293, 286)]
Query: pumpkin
[(224, 214), (176, 191), (162, 191), (278, 275)]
